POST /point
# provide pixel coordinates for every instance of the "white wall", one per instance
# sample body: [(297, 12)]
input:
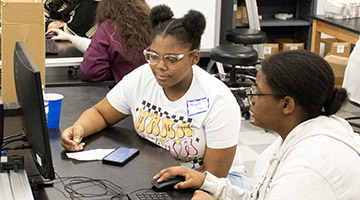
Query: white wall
[(320, 11), (211, 10), (320, 7)]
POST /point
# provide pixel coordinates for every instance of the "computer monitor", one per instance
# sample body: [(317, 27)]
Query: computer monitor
[(30, 98)]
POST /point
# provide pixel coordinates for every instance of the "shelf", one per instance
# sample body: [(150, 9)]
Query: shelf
[(272, 22)]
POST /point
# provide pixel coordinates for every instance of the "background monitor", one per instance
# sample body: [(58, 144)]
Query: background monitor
[(30, 98)]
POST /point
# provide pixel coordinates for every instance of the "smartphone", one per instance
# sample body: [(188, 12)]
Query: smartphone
[(120, 156)]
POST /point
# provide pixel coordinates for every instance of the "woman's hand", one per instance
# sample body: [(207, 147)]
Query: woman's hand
[(56, 24), (193, 178), (71, 138), (60, 35)]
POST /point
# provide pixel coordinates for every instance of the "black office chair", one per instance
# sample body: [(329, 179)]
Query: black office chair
[(237, 63)]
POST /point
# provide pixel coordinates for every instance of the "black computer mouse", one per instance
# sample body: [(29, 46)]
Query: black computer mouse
[(167, 184), (50, 35)]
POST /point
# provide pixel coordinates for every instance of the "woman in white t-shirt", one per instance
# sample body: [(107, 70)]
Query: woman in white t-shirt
[(174, 103)]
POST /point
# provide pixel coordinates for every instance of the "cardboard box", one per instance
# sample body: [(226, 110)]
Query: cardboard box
[(241, 14), (338, 64), (270, 49), (287, 44), (21, 21), (335, 46)]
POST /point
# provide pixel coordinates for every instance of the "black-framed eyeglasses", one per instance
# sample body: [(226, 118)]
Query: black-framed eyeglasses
[(169, 59), (251, 92)]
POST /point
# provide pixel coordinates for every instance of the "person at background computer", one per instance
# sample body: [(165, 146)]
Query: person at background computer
[(75, 17), (317, 153), (117, 46), (173, 102)]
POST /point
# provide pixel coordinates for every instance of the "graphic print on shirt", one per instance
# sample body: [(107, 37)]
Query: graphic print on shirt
[(171, 132)]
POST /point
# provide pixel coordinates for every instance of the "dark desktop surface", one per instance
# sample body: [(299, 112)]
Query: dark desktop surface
[(352, 25), (137, 174), (64, 49), (68, 75)]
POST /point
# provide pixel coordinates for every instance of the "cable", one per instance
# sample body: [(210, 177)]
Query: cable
[(12, 136), (74, 186), (14, 140), (19, 147)]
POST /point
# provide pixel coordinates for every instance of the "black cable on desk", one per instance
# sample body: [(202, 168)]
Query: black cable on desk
[(110, 189)]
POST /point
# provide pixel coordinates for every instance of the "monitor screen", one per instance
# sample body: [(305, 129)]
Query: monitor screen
[(30, 98)]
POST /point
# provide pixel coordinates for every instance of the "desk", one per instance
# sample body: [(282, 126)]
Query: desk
[(134, 175), (347, 30), (63, 69), (68, 55)]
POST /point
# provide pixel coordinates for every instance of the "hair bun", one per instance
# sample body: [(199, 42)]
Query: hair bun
[(159, 14), (194, 22), (335, 100)]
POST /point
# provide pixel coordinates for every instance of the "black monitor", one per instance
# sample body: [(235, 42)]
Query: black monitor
[(30, 98)]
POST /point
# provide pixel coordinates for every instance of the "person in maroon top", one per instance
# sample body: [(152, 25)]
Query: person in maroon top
[(117, 46)]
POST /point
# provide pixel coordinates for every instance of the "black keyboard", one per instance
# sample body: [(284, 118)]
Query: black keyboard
[(150, 196), (50, 46)]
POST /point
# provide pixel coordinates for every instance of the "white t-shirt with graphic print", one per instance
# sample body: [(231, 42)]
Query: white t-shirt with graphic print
[(207, 115)]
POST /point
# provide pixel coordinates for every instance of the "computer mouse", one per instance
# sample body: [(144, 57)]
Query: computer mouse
[(49, 36), (167, 184)]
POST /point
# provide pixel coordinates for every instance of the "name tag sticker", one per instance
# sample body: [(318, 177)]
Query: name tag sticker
[(197, 106)]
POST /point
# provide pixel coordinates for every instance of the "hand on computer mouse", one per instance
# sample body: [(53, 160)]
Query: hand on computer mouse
[(193, 178), (49, 36), (60, 35), (167, 184)]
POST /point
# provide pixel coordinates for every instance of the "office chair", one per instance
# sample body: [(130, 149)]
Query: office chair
[(237, 63)]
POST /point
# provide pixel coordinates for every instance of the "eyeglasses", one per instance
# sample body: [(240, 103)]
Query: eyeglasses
[(252, 92), (169, 59)]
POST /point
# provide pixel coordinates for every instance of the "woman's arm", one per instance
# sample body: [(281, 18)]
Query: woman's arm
[(96, 63), (91, 121), (213, 158)]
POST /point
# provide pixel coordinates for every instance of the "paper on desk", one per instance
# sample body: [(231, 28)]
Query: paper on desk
[(88, 155)]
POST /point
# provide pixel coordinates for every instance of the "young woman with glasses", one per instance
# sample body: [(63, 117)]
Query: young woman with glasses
[(317, 155), (174, 103)]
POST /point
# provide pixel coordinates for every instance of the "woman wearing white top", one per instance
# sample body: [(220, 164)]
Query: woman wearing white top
[(317, 154)]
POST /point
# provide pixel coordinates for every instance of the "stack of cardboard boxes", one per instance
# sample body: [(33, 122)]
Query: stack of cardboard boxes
[(336, 53), (281, 44)]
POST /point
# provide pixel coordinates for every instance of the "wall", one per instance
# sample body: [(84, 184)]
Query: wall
[(211, 10)]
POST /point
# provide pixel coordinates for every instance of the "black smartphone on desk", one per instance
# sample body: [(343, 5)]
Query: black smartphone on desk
[(120, 156)]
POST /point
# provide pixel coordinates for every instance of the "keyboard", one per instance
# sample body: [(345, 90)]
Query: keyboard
[(150, 196), (50, 46)]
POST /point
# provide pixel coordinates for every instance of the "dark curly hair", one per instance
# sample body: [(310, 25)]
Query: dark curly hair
[(307, 78), (187, 30), (131, 18)]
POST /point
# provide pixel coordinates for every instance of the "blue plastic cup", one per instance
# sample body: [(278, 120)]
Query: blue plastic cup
[(53, 117)]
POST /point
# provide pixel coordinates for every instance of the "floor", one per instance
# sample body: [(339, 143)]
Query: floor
[(253, 140)]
